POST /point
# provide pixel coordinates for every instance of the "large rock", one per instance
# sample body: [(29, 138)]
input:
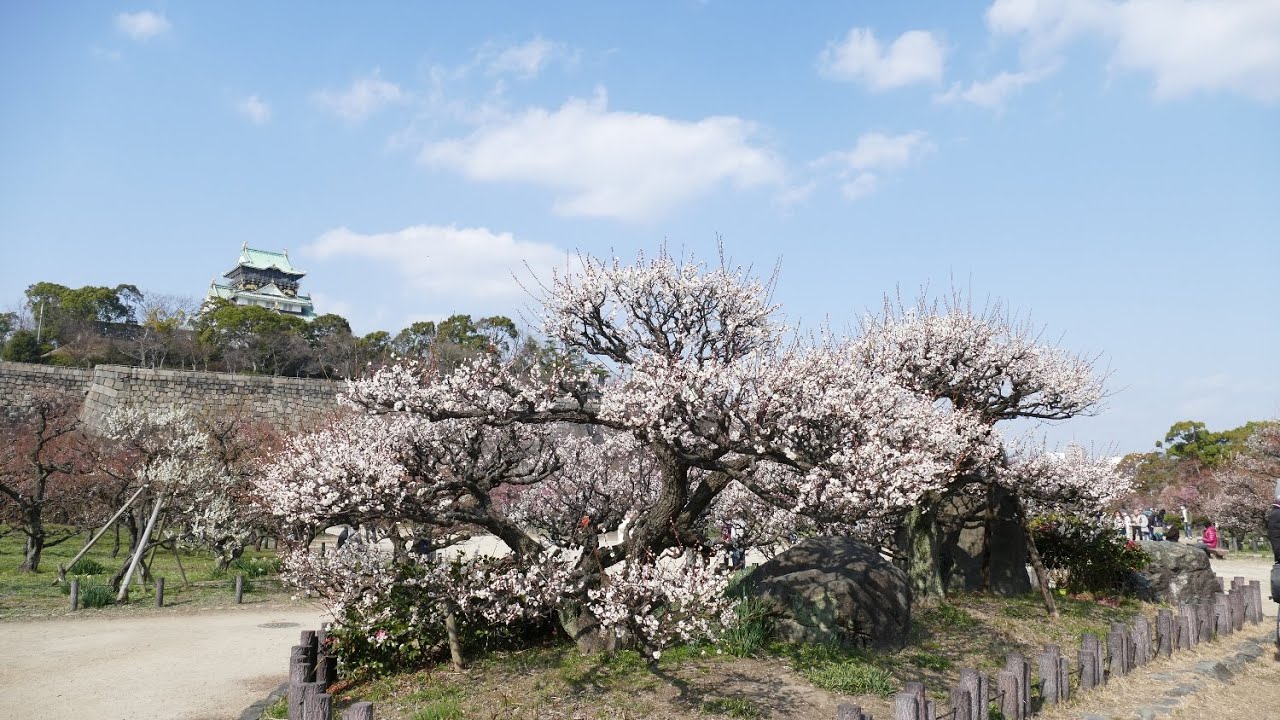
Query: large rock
[(983, 551), (1176, 574), (836, 590)]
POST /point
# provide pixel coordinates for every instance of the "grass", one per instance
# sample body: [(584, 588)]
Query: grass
[(731, 707), (26, 595)]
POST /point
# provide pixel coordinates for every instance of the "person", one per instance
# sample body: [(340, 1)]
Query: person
[(342, 536), (1209, 541), (1128, 527), (1141, 532), (1118, 522), (1172, 534)]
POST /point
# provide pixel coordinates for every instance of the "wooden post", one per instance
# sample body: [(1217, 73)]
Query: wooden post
[(359, 711), (1117, 650), (930, 710), (1238, 582), (455, 642), (1050, 675), (1007, 687), (110, 522), (1164, 633), (1205, 620), (75, 594), (1255, 593), (1141, 634), (1064, 678), (916, 688), (318, 706), (326, 669), (1237, 608), (1019, 666), (239, 589), (971, 681), (159, 592), (1221, 614), (178, 558), (906, 706), (1089, 670), (321, 549), (297, 678), (847, 711), (1188, 627)]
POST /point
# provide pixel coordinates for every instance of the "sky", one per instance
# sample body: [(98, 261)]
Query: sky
[(1108, 169)]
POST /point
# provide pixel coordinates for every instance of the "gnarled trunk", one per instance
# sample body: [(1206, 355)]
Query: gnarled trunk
[(921, 545)]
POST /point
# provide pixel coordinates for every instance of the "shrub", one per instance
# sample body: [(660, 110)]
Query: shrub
[(751, 627), (256, 567), (86, 566), (94, 594), (1086, 555)]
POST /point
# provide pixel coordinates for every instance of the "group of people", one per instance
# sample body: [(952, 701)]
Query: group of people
[(1146, 524)]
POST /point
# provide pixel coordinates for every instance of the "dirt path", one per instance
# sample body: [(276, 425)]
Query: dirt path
[(205, 665)]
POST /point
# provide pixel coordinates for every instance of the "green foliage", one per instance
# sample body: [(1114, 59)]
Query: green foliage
[(95, 594), (441, 703), (831, 668), (1192, 440), (751, 629), (255, 567), (957, 617), (22, 347), (86, 566), (1090, 556), (278, 710), (930, 661), (440, 710), (731, 707)]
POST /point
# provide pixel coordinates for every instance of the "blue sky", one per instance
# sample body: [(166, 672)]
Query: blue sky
[(1111, 169)]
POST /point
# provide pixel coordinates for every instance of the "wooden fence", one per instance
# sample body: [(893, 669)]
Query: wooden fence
[(1126, 647)]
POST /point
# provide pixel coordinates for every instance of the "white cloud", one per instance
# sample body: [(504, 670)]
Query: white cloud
[(255, 109), (605, 163), (993, 93), (525, 60), (1188, 46), (142, 25), (466, 266), (874, 156), (366, 96), (915, 57)]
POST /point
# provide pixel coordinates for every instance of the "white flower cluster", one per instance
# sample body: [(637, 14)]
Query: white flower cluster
[(664, 600)]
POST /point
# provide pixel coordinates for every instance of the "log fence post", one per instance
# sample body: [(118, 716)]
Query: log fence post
[(1018, 665), (318, 706), (973, 681), (1187, 627), (1205, 618), (1237, 598), (1141, 634), (906, 706), (960, 703), (1089, 666), (1164, 633), (848, 711), (1222, 614), (1255, 593), (1010, 704), (1118, 650), (75, 594), (359, 711), (239, 589), (1051, 675), (159, 592)]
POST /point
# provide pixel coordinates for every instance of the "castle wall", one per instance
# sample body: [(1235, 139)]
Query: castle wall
[(291, 404)]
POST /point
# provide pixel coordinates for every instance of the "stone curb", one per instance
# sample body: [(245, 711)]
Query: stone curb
[(1198, 678), (254, 711)]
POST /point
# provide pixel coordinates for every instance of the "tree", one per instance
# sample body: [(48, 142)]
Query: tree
[(156, 336), (41, 455), (702, 392), (1247, 483), (254, 338), (333, 347), (22, 347)]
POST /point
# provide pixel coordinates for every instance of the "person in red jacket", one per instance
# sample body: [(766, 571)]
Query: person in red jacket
[(1209, 541)]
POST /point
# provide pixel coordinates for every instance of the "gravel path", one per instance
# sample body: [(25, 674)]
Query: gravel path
[(204, 665)]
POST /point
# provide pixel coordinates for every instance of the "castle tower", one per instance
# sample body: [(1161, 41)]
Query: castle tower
[(266, 279)]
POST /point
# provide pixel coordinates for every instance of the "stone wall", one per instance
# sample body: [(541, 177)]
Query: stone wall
[(291, 404), (20, 381)]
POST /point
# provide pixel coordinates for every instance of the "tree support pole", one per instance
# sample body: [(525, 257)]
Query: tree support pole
[(142, 547), (62, 573)]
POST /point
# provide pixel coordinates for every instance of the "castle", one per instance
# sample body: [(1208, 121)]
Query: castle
[(266, 279)]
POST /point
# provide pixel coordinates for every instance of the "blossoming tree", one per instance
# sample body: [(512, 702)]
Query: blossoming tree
[(703, 392)]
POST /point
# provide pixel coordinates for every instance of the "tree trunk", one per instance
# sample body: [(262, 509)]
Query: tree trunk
[(115, 549), (455, 642), (35, 540), (922, 546), (585, 631), (1042, 575)]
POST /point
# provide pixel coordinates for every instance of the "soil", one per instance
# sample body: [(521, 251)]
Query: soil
[(194, 665)]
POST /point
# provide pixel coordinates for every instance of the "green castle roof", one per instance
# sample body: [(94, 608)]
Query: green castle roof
[(265, 260)]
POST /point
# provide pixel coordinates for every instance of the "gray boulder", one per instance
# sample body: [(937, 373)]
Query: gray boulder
[(836, 590), (1176, 574), (983, 551)]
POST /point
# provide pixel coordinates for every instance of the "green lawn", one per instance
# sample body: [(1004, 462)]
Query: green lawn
[(27, 595)]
